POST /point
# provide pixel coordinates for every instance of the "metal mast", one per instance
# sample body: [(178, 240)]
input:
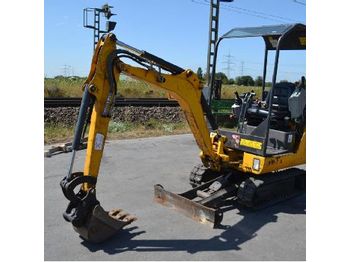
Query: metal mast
[(110, 25), (213, 33)]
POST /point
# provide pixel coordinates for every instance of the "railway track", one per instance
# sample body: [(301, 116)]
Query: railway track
[(119, 102)]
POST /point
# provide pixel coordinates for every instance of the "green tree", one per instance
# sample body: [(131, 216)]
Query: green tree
[(231, 81), (222, 77), (245, 80), (258, 81), (239, 81), (268, 84), (200, 73)]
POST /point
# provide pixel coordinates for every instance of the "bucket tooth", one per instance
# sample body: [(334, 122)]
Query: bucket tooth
[(102, 224)]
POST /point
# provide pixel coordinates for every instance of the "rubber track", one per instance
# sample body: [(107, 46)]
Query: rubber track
[(258, 192), (200, 175)]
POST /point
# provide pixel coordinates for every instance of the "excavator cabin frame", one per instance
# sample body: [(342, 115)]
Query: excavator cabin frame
[(255, 140)]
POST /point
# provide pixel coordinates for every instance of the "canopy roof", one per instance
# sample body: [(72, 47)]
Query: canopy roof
[(295, 35)]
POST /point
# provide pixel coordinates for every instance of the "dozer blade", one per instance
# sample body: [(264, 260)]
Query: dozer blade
[(102, 225), (188, 207)]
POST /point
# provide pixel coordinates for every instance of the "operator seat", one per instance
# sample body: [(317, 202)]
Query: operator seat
[(297, 101), (280, 108), (281, 94)]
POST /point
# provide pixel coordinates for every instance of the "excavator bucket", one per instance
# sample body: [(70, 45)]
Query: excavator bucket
[(102, 224), (84, 211)]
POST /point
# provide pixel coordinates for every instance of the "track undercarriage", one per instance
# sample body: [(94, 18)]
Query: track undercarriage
[(211, 191)]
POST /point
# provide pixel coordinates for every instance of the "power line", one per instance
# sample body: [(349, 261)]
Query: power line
[(300, 3), (271, 63), (271, 70), (198, 2), (242, 68), (228, 63), (259, 14), (248, 12), (67, 70)]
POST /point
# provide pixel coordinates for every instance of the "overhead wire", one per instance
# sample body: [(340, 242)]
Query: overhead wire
[(248, 12), (300, 3), (254, 13)]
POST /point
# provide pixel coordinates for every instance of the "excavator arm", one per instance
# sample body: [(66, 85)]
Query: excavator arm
[(186, 89), (183, 85), (84, 211)]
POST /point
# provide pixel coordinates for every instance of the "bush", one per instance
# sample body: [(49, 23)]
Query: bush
[(152, 124), (53, 91), (118, 127), (169, 128)]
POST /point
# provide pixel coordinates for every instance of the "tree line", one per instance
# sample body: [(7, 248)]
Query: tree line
[(246, 80)]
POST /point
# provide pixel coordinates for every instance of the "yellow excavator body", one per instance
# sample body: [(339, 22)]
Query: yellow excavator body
[(84, 211)]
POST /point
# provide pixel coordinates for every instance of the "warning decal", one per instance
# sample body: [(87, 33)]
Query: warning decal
[(99, 141), (251, 143)]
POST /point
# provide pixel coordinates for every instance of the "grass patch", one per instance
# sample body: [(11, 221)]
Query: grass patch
[(63, 87), (153, 127), (119, 130), (72, 87), (141, 130), (54, 133), (135, 89), (119, 127), (228, 91)]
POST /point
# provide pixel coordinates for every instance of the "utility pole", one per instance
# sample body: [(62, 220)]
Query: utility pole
[(228, 63), (242, 68), (213, 38), (65, 70), (213, 33)]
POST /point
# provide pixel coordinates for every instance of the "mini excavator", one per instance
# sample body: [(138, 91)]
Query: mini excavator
[(252, 165)]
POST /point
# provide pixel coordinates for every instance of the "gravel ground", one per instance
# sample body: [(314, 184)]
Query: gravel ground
[(68, 115)]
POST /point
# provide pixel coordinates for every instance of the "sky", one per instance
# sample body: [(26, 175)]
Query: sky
[(175, 30)]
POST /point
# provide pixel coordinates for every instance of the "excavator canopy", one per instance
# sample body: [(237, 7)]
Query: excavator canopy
[(295, 35)]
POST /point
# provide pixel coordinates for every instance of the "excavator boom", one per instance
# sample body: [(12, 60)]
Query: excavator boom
[(84, 211)]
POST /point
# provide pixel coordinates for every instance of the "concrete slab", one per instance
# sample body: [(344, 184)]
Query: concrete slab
[(129, 170)]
